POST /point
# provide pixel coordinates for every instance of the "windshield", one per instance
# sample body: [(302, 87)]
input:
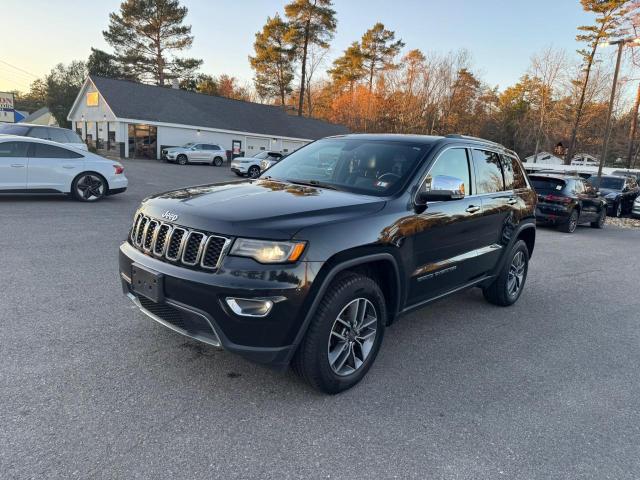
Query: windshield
[(188, 145), (14, 130), (371, 167), (261, 155), (611, 183)]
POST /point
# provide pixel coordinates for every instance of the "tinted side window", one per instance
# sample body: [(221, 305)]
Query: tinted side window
[(39, 132), (507, 172), (488, 172), (72, 137), (57, 135), (454, 163), (42, 150), (519, 179), (13, 149), (199, 147)]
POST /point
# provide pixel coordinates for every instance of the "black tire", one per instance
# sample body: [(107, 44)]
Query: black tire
[(498, 292), (602, 218), (617, 212), (217, 162), (182, 159), (571, 224), (89, 187), (312, 359), (254, 171)]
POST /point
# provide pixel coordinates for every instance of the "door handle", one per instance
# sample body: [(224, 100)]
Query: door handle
[(68, 166), (472, 209), (512, 201), (18, 165)]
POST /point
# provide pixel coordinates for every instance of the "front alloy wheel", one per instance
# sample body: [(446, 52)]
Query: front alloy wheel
[(344, 334), (254, 172), (352, 336), (89, 187)]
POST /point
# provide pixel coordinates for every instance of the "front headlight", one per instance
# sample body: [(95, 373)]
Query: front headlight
[(265, 251), (637, 201), (611, 196)]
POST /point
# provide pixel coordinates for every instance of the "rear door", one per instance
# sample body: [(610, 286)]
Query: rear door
[(13, 165), (52, 167), (498, 207)]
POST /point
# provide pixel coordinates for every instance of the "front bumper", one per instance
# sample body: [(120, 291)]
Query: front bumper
[(239, 167), (194, 303)]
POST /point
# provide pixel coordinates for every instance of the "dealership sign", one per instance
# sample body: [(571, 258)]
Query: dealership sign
[(7, 110)]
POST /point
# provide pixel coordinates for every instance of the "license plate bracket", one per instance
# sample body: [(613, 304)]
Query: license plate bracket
[(147, 283)]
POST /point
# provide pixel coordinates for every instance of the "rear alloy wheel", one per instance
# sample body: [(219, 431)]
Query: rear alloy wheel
[(602, 218), (507, 287), (618, 211), (254, 171), (344, 336), (89, 187), (182, 159), (217, 162), (570, 225)]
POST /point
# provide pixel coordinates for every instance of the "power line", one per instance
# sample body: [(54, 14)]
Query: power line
[(19, 69)]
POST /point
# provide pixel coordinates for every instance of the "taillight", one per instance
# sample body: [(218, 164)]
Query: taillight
[(557, 199), (119, 169)]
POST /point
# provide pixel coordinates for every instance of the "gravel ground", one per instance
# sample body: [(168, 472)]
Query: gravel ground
[(91, 388)]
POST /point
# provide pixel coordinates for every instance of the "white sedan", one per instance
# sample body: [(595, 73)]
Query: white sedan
[(30, 165)]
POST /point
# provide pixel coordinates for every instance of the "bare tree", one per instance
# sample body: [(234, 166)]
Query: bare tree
[(547, 69)]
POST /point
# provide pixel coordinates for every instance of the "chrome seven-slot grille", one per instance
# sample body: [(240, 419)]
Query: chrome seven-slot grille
[(176, 244)]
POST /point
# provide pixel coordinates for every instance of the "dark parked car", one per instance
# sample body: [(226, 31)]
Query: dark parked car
[(620, 191), (568, 201), (309, 263)]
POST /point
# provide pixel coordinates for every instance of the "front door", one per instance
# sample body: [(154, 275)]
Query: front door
[(13, 165), (443, 238)]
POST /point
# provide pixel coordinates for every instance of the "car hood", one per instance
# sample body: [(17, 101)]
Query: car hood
[(175, 149), (258, 208)]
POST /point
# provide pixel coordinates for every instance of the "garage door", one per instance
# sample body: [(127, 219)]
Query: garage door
[(255, 145), (289, 146)]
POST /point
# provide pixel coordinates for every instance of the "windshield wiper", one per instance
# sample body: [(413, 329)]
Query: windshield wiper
[(313, 183)]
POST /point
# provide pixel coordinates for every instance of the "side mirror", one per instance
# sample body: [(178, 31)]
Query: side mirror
[(441, 188)]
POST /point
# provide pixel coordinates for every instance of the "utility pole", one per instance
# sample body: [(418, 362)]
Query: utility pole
[(607, 130), (633, 128)]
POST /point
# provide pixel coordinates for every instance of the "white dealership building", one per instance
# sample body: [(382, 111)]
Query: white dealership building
[(130, 119)]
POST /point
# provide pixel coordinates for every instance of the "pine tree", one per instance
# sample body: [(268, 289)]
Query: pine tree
[(146, 33), (311, 22), (104, 64), (348, 69), (273, 60), (379, 48), (609, 14)]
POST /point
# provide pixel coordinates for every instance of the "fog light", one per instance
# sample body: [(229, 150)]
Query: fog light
[(250, 307)]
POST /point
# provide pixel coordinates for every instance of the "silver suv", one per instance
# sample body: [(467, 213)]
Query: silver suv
[(196, 153)]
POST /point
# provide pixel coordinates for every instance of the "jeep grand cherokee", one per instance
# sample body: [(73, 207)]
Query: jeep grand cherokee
[(307, 264)]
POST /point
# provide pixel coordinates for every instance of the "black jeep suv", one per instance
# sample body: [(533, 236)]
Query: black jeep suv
[(307, 264)]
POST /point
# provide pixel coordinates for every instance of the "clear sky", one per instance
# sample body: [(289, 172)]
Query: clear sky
[(500, 34)]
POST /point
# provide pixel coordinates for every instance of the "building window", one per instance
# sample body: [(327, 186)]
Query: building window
[(93, 98)]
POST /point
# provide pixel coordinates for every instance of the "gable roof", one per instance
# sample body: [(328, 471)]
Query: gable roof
[(35, 115), (138, 101)]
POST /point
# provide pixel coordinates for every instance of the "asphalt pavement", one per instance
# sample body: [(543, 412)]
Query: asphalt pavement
[(91, 388)]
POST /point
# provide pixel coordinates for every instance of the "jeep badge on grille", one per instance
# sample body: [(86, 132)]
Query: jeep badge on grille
[(170, 216)]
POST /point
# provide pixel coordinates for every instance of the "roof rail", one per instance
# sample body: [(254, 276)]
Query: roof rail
[(469, 137)]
